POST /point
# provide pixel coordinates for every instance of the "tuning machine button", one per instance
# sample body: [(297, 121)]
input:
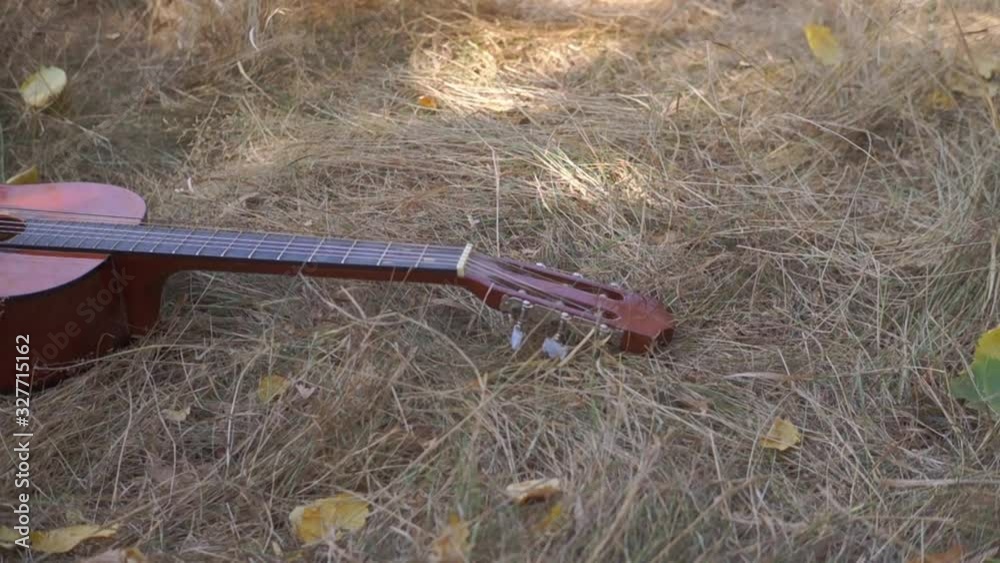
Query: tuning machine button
[(517, 335), (553, 346)]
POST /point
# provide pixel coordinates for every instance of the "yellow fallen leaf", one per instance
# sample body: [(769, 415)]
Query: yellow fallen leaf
[(428, 102), (553, 518), (782, 435), (62, 540), (315, 521), (178, 415), (128, 555), (988, 347), (533, 491), (27, 176), (953, 555), (452, 543), (823, 44), (43, 87), (271, 387), (941, 100)]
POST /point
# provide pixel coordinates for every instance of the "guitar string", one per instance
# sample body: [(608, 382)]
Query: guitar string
[(103, 218), (262, 245), (520, 290), (240, 241), (441, 251), (498, 274), (435, 251), (167, 238), (438, 251), (400, 254), (63, 229)]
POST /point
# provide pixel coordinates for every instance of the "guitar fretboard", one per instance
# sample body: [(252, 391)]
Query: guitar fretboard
[(219, 244)]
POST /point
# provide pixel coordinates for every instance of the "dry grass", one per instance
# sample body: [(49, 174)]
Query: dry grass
[(827, 241)]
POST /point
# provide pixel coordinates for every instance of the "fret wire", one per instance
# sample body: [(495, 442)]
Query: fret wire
[(104, 236), (159, 242), (384, 252), (259, 242), (27, 237), (344, 259), (208, 239), (421, 257), (315, 250), (58, 233), (283, 250), (235, 238), (78, 240), (178, 247), (138, 242), (118, 240)]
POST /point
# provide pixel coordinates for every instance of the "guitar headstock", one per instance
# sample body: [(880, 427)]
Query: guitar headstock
[(530, 293)]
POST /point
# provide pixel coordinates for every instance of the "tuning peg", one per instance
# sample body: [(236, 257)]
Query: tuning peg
[(517, 335), (553, 346)]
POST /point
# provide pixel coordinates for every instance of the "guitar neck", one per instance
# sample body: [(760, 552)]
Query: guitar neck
[(243, 251)]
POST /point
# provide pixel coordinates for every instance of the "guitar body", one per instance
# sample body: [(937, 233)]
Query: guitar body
[(71, 306)]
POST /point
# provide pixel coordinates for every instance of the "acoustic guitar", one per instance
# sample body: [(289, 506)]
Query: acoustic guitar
[(81, 272)]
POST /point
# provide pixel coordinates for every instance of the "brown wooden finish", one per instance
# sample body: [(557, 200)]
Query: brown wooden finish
[(80, 304), (644, 322)]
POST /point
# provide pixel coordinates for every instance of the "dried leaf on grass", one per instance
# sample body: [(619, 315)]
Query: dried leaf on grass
[(940, 100), (271, 387), (315, 521), (824, 44), (782, 435), (536, 490), (27, 176), (452, 544), (553, 518), (127, 555), (62, 540), (953, 555), (981, 388), (176, 415), (43, 87)]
